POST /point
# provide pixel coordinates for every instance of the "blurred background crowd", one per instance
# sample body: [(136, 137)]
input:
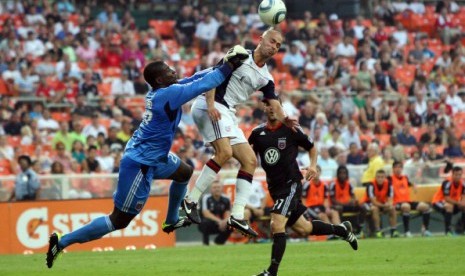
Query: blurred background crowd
[(72, 91)]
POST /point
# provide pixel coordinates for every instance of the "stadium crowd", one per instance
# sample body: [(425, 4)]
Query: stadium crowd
[(72, 90)]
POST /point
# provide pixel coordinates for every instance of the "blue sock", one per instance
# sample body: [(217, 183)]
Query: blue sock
[(89, 232), (177, 193)]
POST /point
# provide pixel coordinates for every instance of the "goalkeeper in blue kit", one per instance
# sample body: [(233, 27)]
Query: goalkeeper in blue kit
[(147, 154)]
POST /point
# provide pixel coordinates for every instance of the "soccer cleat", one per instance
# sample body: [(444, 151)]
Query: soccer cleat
[(408, 234), (426, 233), (350, 238), (54, 249), (242, 226), (379, 234), (182, 222), (191, 211), (264, 273), (395, 234)]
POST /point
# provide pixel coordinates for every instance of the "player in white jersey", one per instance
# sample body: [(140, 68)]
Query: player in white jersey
[(214, 115)]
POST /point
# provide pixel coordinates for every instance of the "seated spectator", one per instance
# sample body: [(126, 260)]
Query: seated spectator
[(216, 54), (375, 163), (365, 77), (315, 67), (227, 35), (416, 6), (185, 26), (140, 86), (104, 109), (430, 116), (122, 86), (126, 131), (381, 35), (335, 28), (328, 164), (215, 210), (445, 27), (91, 164), (354, 157), (64, 157), (77, 152), (405, 137), (431, 136), (26, 82), (63, 136), (346, 48), (294, 60), (6, 151), (85, 52), (400, 35), (205, 32), (415, 56), (88, 87), (47, 123), (453, 149), (335, 141), (385, 12), (131, 69), (94, 128), (33, 45), (255, 206), (105, 159)]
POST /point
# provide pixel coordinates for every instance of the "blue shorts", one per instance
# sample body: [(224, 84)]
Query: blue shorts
[(135, 179)]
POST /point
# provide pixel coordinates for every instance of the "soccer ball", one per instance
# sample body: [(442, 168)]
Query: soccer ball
[(272, 12)]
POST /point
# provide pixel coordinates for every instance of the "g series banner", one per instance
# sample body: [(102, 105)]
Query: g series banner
[(26, 226)]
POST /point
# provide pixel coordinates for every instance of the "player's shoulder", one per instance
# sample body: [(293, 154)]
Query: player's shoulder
[(259, 128)]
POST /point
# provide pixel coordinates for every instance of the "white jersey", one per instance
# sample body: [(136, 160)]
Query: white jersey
[(243, 82)]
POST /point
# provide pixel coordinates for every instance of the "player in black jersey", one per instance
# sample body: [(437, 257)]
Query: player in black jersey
[(277, 145)]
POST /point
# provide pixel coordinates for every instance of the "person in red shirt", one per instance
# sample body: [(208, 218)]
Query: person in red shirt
[(381, 34), (378, 199), (342, 197), (110, 56), (450, 199), (316, 198), (400, 183)]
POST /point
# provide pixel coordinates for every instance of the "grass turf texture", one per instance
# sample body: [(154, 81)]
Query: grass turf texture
[(416, 256)]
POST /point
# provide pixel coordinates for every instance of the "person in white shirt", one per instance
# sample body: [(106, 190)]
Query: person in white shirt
[(6, 151), (46, 123), (400, 5), (255, 206), (94, 128), (206, 31), (215, 55), (328, 164), (351, 136), (294, 60), (33, 45), (420, 104), (105, 159), (401, 35), (26, 83), (453, 99), (417, 7), (359, 27), (12, 73), (444, 60), (122, 86), (346, 48), (34, 18), (315, 67)]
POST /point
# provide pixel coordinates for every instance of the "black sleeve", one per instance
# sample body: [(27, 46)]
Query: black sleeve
[(332, 189), (269, 91), (446, 188), (370, 191), (303, 140), (252, 141), (390, 191)]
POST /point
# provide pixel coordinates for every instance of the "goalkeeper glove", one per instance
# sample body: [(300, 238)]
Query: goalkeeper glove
[(235, 56)]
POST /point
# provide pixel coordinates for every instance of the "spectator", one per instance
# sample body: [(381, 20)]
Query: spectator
[(63, 136), (351, 136), (430, 115), (416, 55), (77, 152), (294, 60), (108, 15), (215, 55), (215, 210), (405, 137), (88, 87), (94, 128), (315, 67), (14, 125), (132, 71), (85, 52), (77, 132), (375, 163), (140, 86), (453, 149), (64, 157), (354, 157), (227, 35), (255, 206), (185, 26), (33, 46), (126, 131), (47, 123), (26, 83), (106, 160), (123, 86), (328, 164), (307, 115), (91, 164), (27, 183), (104, 109), (6, 151), (346, 48), (132, 51), (416, 6), (385, 12)]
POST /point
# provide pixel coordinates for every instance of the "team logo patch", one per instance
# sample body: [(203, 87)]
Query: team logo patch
[(282, 143), (139, 205), (271, 156)]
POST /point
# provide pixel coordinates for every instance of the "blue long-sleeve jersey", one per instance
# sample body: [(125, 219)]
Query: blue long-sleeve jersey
[(151, 142)]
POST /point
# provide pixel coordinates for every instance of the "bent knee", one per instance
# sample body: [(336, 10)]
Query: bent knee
[(277, 227)]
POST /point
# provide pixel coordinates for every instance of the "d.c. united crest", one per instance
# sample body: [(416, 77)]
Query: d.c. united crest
[(282, 143)]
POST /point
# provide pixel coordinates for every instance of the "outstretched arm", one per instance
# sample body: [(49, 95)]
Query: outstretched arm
[(196, 76)]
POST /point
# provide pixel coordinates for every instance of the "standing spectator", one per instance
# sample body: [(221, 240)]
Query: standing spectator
[(27, 183), (215, 210), (450, 199), (185, 26), (94, 128), (91, 164)]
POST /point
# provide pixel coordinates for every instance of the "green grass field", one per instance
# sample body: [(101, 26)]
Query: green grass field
[(417, 256)]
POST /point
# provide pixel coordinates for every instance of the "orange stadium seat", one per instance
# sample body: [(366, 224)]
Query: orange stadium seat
[(165, 28), (104, 89), (61, 116), (13, 141), (5, 167), (111, 72), (384, 139)]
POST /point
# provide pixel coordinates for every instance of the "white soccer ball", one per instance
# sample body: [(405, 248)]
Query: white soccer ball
[(272, 12)]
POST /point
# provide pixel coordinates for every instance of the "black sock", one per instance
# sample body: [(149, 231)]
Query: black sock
[(321, 228), (406, 221), (447, 220), (277, 252), (426, 217)]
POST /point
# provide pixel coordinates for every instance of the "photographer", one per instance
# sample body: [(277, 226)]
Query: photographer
[(26, 184)]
